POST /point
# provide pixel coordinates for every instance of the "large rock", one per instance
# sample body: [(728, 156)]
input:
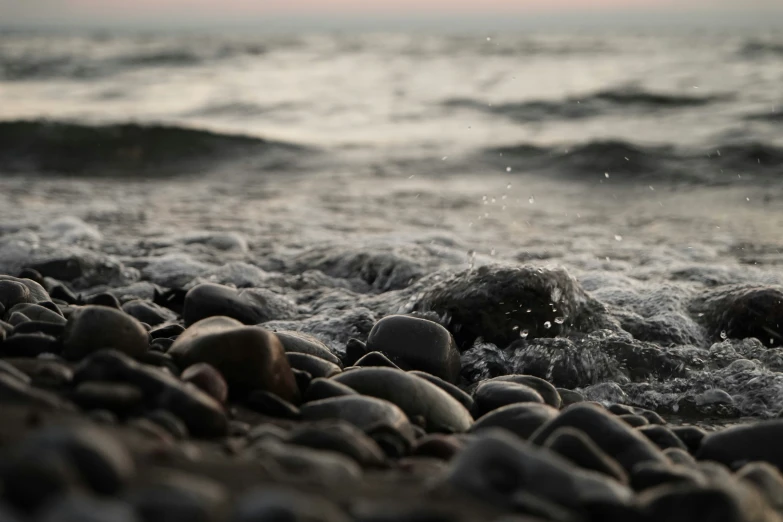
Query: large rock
[(741, 444), (498, 468), (520, 419), (93, 328), (416, 344), (366, 413), (493, 395), (252, 306), (414, 395), (548, 392), (249, 357), (498, 303), (612, 435)]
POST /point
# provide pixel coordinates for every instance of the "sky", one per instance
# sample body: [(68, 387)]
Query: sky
[(359, 12)]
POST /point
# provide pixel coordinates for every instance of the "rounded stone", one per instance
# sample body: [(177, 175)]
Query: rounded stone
[(93, 328), (115, 397), (326, 389), (210, 300), (376, 359), (299, 342), (149, 313), (493, 395), (578, 448), (416, 344), (461, 397), (275, 503), (547, 391), (366, 413), (249, 358), (313, 365), (340, 437), (520, 419), (415, 396), (207, 378), (662, 437), (741, 444)]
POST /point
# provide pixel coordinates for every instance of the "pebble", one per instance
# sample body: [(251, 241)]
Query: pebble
[(13, 293), (578, 448), (613, 436), (691, 436), (169, 422), (248, 357), (30, 345), (569, 397), (313, 365), (634, 421), (340, 437), (168, 331), (250, 307), (36, 312), (208, 379), (80, 508), (93, 328), (354, 350), (490, 396), (272, 504), (677, 503), (548, 392), (33, 478), (149, 313), (17, 318), (520, 419), (443, 447), (741, 444), (416, 344), (175, 496), (680, 456), (461, 397), (104, 299), (648, 475), (498, 466), (325, 389), (11, 370), (767, 479), (662, 437), (121, 399), (203, 415), (310, 465), (44, 373), (15, 391), (299, 342), (415, 396), (271, 405), (31, 327), (375, 359)]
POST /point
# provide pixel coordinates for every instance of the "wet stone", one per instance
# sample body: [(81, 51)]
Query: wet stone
[(548, 392), (741, 444), (461, 396), (375, 359), (443, 447), (149, 313), (520, 419), (15, 391), (569, 397), (207, 378), (326, 389), (416, 344), (94, 328), (39, 327), (122, 399), (313, 365), (246, 306), (30, 345), (104, 299), (274, 503), (271, 405), (767, 479), (648, 475), (340, 437), (299, 342), (662, 437), (691, 436), (635, 421), (44, 373), (169, 331), (36, 312), (680, 457), (79, 508), (169, 422), (491, 395), (177, 496), (248, 357), (578, 448)]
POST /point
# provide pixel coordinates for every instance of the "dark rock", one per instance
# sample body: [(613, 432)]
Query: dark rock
[(66, 269), (416, 344), (302, 379), (78, 508), (677, 503), (680, 457), (169, 422), (497, 466), (169, 331), (691, 436), (492, 302), (652, 474), (314, 466), (32, 479), (609, 433), (569, 397), (366, 413), (104, 299), (443, 447), (520, 419), (741, 311), (635, 421), (247, 306), (741, 444), (17, 318), (11, 370), (119, 398), (44, 373), (340, 437), (313, 365), (620, 409), (273, 503), (149, 313), (15, 391), (461, 397), (203, 416), (578, 448), (94, 328), (207, 378), (36, 290), (36, 312), (271, 405), (248, 357), (100, 460), (326, 389), (548, 392), (376, 359), (767, 480), (299, 342), (32, 274), (39, 327), (651, 416), (161, 360), (172, 497), (63, 293), (354, 350), (662, 437), (29, 345), (491, 395), (13, 293), (415, 396), (161, 345)]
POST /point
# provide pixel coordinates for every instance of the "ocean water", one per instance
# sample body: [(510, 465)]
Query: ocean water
[(346, 171)]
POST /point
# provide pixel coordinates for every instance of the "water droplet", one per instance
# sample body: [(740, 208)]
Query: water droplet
[(523, 334), (723, 334), (531, 200), (508, 186), (559, 320), (492, 252), (528, 310), (504, 196), (489, 39), (606, 175), (651, 188), (547, 325), (444, 158), (508, 169), (515, 328), (618, 238)]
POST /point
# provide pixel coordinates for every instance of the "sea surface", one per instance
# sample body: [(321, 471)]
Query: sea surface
[(647, 164)]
